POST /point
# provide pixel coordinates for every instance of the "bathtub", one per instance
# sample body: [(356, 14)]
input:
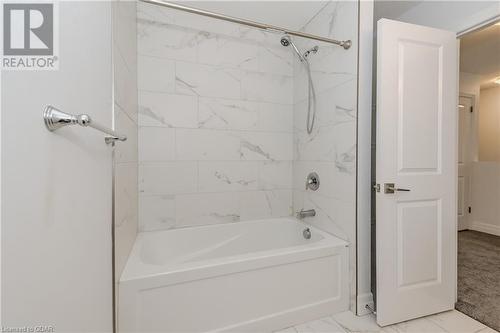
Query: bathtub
[(254, 276)]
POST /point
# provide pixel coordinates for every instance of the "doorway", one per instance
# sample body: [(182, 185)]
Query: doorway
[(478, 215)]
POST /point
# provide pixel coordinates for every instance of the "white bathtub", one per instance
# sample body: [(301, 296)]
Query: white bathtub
[(249, 276)]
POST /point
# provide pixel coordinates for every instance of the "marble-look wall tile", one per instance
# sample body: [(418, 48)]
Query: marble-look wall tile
[(221, 51), (265, 204), (168, 178), (266, 146), (125, 121), (195, 145), (228, 176), (167, 40), (267, 87), (126, 211), (207, 81), (156, 144), (206, 208), (155, 74), (333, 138), (218, 113), (164, 110), (275, 175), (124, 84), (275, 59), (124, 16), (216, 121), (182, 19), (125, 124), (156, 212), (275, 117), (330, 150)]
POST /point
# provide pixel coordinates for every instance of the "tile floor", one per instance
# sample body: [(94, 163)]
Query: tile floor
[(347, 322)]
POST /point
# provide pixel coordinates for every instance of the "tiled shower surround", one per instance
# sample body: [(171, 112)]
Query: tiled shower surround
[(222, 112), (330, 150), (216, 121)]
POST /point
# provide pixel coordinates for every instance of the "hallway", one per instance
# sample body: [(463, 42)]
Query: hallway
[(479, 277)]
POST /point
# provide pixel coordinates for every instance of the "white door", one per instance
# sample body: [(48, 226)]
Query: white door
[(464, 158), (417, 151)]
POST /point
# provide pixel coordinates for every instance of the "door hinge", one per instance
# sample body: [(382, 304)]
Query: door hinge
[(471, 109), (470, 209)]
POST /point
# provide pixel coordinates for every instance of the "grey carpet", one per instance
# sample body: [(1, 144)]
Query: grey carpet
[(479, 277)]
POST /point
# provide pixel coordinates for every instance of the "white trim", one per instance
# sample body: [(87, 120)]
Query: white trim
[(365, 303), (363, 170), (479, 26), (485, 227), (473, 154)]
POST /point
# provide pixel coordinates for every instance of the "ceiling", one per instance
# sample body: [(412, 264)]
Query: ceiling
[(480, 54), (291, 15), (392, 9)]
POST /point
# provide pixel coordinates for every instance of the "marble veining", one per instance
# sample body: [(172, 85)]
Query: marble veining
[(345, 162), (346, 322), (330, 149), (225, 179), (246, 145), (216, 121), (148, 112)]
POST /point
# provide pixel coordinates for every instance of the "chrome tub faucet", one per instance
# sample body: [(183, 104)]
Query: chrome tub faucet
[(306, 213)]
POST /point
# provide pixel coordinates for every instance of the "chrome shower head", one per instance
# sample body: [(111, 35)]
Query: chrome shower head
[(312, 50)]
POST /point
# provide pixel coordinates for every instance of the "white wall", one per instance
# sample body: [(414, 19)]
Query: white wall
[(485, 189), (215, 117), (330, 150), (470, 84), (485, 197), (125, 121), (489, 125), (451, 15), (56, 187)]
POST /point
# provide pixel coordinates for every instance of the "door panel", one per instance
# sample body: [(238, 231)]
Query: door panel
[(419, 70), (416, 150), (418, 264)]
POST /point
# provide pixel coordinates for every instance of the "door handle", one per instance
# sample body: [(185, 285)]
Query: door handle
[(390, 188)]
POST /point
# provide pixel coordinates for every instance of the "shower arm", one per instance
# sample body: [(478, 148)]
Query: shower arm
[(346, 44)]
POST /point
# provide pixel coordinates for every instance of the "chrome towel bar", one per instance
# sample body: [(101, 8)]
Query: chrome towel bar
[(55, 119)]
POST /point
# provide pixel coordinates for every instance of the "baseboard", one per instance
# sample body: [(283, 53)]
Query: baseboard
[(485, 227), (362, 301)]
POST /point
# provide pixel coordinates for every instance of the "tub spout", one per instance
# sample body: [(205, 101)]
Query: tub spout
[(306, 213)]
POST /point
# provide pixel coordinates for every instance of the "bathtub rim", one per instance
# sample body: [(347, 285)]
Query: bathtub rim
[(327, 246)]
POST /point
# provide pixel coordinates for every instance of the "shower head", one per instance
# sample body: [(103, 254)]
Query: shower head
[(286, 40), (311, 50)]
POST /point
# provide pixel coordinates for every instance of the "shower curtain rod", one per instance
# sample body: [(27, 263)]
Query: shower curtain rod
[(344, 43)]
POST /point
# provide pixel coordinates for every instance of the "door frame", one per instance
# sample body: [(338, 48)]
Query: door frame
[(472, 139)]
